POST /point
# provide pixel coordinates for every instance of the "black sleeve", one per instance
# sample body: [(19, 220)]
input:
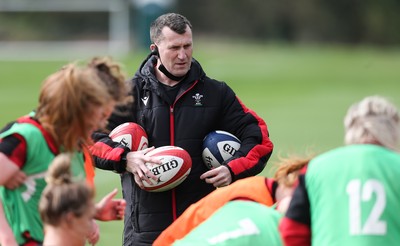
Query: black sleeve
[(299, 208), (107, 154), (6, 127), (9, 144)]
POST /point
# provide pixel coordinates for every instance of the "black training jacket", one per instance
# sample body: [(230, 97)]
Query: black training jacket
[(201, 106)]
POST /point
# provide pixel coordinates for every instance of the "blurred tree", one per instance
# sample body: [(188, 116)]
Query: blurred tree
[(340, 21), (382, 21), (53, 26), (332, 21), (144, 12)]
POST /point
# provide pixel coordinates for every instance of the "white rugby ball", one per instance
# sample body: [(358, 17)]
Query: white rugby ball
[(131, 135), (175, 167), (219, 146)]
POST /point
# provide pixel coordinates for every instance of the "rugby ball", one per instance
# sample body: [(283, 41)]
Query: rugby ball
[(219, 146), (131, 135), (175, 167)]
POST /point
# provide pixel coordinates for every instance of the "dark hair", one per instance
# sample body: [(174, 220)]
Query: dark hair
[(175, 22)]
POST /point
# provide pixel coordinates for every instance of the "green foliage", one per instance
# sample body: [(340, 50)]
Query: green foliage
[(302, 92), (340, 21)]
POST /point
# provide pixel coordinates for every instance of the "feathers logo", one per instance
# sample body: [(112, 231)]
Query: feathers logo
[(197, 99), (145, 99)]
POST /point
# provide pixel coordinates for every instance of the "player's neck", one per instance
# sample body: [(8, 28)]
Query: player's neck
[(61, 237)]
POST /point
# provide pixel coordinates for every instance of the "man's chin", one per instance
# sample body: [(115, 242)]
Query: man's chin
[(180, 73)]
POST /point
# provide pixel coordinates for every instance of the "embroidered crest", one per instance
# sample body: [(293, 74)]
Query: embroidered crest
[(197, 99), (145, 99)]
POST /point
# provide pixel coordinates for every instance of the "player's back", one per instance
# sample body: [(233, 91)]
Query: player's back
[(354, 194)]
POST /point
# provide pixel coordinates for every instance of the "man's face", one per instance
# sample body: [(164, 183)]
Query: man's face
[(176, 50)]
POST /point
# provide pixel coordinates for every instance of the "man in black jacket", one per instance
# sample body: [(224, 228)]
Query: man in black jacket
[(177, 104)]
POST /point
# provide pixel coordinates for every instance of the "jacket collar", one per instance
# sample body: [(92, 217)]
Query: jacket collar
[(147, 72)]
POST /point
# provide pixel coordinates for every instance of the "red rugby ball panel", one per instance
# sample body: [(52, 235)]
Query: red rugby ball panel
[(131, 135), (175, 167)]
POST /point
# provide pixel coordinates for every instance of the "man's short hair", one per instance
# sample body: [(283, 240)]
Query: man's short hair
[(175, 22)]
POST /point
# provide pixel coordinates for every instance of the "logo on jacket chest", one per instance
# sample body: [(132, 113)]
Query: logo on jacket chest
[(145, 99), (197, 99)]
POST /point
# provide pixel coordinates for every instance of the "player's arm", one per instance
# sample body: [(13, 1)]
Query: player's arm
[(8, 170), (12, 159), (295, 226), (6, 234), (17, 180)]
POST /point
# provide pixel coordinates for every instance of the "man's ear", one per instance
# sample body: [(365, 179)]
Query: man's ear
[(154, 49)]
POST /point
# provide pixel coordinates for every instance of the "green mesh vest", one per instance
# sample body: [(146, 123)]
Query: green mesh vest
[(21, 204)]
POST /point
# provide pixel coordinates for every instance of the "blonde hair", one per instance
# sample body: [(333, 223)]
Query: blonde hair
[(69, 96), (373, 120), (62, 195)]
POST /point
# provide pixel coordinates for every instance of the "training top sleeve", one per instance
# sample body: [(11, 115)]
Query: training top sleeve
[(14, 147), (295, 225)]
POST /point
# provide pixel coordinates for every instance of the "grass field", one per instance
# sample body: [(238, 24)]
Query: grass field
[(302, 92)]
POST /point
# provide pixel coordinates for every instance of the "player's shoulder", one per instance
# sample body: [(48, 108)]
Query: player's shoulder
[(22, 129)]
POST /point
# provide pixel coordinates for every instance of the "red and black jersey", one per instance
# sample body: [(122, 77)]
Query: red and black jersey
[(14, 147), (295, 226)]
